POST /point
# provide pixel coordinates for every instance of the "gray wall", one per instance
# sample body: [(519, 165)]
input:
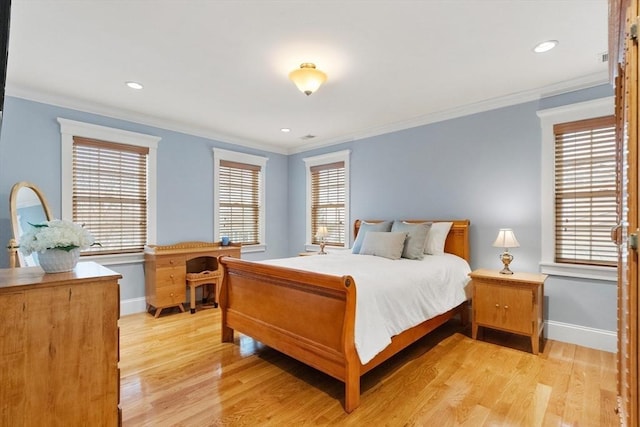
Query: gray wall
[(30, 151), (484, 167)]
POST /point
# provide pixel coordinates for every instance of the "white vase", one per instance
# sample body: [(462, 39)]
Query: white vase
[(58, 260)]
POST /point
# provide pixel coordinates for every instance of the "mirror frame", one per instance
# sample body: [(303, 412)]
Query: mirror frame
[(15, 258)]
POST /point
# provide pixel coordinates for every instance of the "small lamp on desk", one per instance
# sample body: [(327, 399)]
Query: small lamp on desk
[(506, 239), (321, 234)]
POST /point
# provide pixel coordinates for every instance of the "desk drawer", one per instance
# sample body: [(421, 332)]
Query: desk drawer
[(170, 261), (171, 295), (170, 276)]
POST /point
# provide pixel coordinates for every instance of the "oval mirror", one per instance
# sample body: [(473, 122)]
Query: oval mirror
[(27, 204)]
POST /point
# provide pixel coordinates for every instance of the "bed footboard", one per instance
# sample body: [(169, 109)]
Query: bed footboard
[(308, 316)]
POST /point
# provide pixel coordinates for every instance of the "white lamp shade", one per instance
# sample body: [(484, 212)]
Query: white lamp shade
[(322, 232), (506, 239), (307, 78)]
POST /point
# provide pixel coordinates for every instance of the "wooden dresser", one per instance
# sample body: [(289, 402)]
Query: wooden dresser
[(59, 347), (165, 270)]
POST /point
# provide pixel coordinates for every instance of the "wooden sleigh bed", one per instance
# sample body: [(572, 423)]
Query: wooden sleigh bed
[(311, 316)]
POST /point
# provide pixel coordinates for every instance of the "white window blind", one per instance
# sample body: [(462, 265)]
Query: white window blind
[(110, 194), (585, 191), (239, 201), (328, 194)]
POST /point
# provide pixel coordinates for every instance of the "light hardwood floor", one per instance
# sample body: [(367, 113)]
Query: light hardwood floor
[(176, 372)]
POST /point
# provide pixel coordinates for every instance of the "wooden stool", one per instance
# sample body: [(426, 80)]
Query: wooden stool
[(206, 277)]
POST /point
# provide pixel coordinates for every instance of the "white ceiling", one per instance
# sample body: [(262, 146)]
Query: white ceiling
[(219, 68)]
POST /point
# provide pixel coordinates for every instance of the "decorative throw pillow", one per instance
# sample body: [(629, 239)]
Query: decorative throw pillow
[(384, 244), (416, 238), (436, 238), (366, 227)]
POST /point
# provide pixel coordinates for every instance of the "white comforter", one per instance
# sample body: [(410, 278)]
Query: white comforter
[(391, 295)]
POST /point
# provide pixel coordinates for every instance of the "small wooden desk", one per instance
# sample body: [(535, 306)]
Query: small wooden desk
[(165, 270)]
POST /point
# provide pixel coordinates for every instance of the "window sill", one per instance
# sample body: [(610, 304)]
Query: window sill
[(609, 274), (114, 259), (253, 248), (309, 247)]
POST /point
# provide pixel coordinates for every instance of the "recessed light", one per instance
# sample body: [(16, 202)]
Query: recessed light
[(134, 85), (545, 46), (285, 130)]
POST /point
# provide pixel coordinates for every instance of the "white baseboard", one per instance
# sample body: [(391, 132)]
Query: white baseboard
[(132, 306), (582, 335)]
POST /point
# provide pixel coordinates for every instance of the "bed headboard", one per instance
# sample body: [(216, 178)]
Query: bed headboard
[(457, 242)]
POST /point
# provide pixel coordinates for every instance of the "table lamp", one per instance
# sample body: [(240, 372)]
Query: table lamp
[(506, 239), (321, 234)]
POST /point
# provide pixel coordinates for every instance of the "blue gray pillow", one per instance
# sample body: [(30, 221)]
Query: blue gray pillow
[(364, 228), (383, 243), (416, 238)]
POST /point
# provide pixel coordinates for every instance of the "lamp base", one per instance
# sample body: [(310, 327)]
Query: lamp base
[(322, 252), (506, 271), (506, 259)]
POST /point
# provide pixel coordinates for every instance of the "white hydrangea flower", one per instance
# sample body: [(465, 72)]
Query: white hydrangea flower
[(57, 233)]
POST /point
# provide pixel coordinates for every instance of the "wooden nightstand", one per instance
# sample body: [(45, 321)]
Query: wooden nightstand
[(509, 302)]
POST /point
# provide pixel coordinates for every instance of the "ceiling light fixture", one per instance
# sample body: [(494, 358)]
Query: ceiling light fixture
[(285, 130), (545, 46), (307, 78), (134, 85)]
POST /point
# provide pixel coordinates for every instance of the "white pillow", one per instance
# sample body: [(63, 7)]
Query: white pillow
[(436, 238), (388, 244)]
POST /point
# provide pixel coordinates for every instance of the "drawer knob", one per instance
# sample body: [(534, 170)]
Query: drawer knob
[(171, 275), (171, 294), (506, 307), (497, 305)]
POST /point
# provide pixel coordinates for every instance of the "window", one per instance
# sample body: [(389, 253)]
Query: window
[(328, 198), (110, 194), (108, 178), (585, 191), (578, 180), (239, 201)]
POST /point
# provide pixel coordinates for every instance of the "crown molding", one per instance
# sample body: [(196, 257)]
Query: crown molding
[(136, 117), (466, 110), (190, 129)]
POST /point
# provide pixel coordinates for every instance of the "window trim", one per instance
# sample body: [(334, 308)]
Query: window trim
[(548, 118), (71, 128), (235, 156), (322, 159)]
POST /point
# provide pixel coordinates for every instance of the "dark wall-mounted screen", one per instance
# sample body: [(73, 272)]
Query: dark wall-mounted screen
[(5, 17)]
